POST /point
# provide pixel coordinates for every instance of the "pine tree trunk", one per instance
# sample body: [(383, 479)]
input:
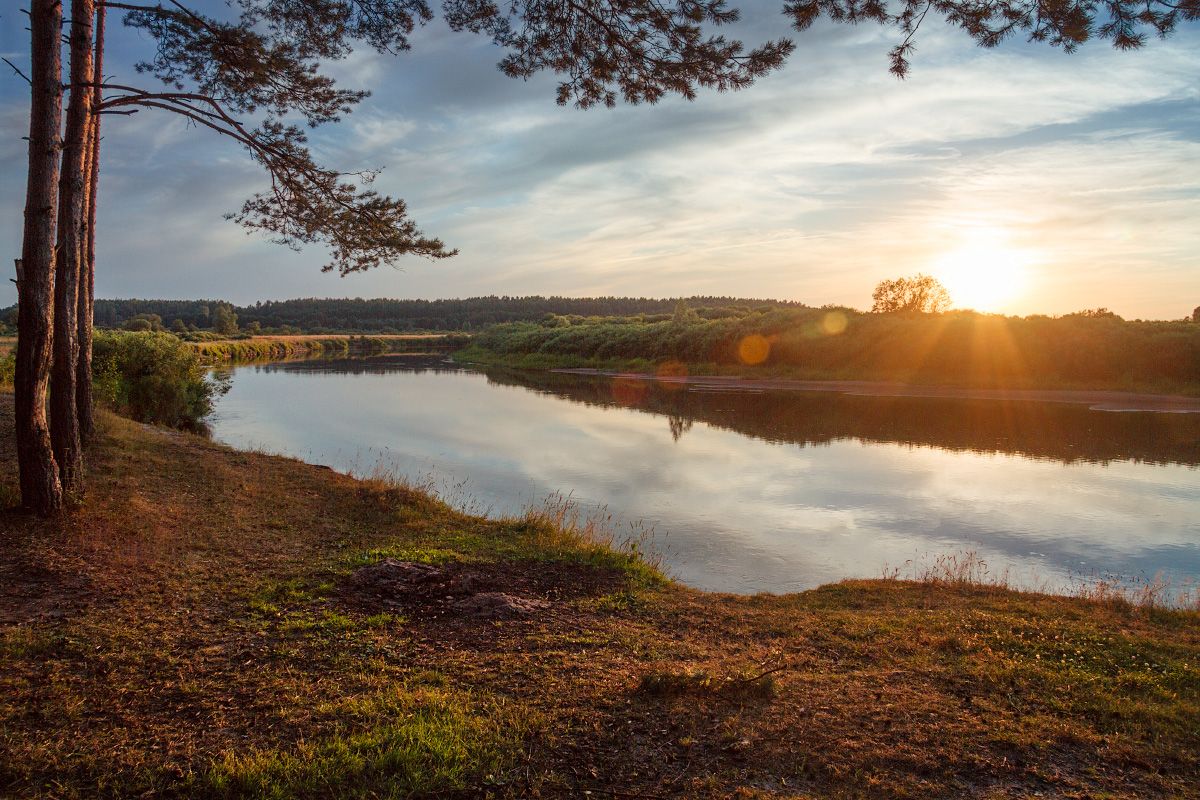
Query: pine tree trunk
[(40, 487), (72, 246), (87, 283)]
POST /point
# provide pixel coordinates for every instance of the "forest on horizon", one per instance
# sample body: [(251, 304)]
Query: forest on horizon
[(389, 315), (383, 315)]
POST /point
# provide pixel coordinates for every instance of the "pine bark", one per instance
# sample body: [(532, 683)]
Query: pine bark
[(87, 285), (41, 490), (72, 244)]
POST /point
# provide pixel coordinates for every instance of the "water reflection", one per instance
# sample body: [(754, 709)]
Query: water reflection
[(1059, 431), (770, 491)]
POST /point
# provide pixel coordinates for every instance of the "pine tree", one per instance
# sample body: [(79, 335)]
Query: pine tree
[(40, 486)]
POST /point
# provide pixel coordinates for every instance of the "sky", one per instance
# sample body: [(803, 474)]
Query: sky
[(1026, 179)]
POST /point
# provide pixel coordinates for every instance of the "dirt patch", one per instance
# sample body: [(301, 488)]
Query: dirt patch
[(499, 605), (38, 583), (491, 591), (32, 592)]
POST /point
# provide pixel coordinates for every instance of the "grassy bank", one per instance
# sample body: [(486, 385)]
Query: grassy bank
[(958, 349), (198, 629), (257, 348)]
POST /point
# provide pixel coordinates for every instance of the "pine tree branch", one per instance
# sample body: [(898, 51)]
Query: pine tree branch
[(14, 69), (305, 202)]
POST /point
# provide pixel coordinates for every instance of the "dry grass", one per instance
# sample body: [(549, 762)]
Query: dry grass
[(969, 570), (187, 633)]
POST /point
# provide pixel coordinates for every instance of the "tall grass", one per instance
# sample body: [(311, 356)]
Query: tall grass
[(556, 529), (559, 524), (969, 570), (8, 367), (260, 348)]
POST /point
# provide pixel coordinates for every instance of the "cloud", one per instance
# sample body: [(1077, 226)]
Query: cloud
[(810, 185), (376, 132)]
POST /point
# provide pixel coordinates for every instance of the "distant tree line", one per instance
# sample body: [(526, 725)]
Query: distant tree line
[(473, 314), (312, 315)]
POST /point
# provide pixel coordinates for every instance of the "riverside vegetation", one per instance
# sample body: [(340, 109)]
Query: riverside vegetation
[(383, 315), (153, 377), (215, 348), (198, 629), (161, 378), (1092, 350)]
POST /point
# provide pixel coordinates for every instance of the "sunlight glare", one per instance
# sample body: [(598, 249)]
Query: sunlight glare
[(985, 273)]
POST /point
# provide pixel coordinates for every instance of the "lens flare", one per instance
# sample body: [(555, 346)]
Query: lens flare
[(834, 323), (754, 349)]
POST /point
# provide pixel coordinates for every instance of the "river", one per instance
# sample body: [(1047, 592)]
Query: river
[(751, 491)]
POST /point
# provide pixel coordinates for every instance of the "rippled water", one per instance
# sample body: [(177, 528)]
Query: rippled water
[(760, 491)]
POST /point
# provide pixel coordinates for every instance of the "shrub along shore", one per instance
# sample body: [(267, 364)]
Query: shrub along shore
[(1094, 350), (217, 623), (137, 352)]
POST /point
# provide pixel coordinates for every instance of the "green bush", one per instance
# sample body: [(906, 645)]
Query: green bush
[(153, 377), (8, 366)]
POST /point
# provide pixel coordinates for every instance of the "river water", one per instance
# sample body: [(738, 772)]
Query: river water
[(748, 491)]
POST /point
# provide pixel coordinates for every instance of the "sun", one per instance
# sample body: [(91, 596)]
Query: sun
[(984, 274)]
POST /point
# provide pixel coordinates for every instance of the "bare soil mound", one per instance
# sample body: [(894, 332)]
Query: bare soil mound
[(492, 590)]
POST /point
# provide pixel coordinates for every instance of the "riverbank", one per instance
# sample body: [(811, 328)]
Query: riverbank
[(1169, 395), (280, 347), (203, 627), (1095, 400), (1093, 351)]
